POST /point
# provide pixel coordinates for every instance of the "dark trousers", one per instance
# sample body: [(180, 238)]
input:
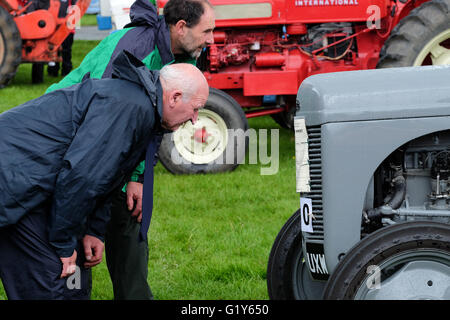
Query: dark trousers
[(126, 256), (66, 54), (30, 268)]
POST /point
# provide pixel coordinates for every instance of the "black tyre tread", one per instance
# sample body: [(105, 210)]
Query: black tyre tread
[(368, 251), (408, 37), (278, 118), (13, 48), (279, 256), (283, 119), (165, 152), (233, 102)]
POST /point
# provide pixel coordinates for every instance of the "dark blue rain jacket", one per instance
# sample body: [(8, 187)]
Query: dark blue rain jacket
[(71, 148)]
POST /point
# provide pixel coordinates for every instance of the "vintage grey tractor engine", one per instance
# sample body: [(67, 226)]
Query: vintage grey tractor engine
[(373, 172)]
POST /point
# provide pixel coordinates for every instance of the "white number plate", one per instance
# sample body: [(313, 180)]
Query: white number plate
[(306, 214)]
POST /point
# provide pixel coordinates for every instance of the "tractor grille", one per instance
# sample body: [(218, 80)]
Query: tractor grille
[(315, 171)]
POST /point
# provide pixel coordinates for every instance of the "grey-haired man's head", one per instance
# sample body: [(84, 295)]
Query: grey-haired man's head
[(185, 91)]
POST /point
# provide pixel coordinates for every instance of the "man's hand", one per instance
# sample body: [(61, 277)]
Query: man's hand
[(134, 193), (69, 265), (93, 250)]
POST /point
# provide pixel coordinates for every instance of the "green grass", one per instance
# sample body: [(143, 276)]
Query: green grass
[(20, 89), (216, 231), (210, 235), (88, 20)]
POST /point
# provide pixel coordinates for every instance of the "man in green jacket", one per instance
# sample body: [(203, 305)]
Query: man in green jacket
[(180, 36)]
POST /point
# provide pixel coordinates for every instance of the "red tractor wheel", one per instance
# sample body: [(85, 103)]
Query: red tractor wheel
[(216, 143), (421, 38), (10, 48)]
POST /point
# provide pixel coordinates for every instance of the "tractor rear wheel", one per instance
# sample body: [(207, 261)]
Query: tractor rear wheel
[(421, 38), (10, 48), (216, 143)]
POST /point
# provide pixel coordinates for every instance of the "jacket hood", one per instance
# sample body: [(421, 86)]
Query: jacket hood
[(128, 67), (143, 13)]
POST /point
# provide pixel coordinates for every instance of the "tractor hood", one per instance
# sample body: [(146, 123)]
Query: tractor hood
[(239, 13), (380, 94)]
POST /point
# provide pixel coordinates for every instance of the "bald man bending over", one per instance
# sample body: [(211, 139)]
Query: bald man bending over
[(61, 158)]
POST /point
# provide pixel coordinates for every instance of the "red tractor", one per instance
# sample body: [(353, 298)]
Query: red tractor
[(34, 36), (264, 49)]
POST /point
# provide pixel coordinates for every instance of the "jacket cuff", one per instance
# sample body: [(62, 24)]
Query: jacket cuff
[(94, 234), (140, 178), (65, 250), (97, 223)]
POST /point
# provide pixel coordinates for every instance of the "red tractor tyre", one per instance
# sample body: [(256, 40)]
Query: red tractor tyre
[(10, 48), (421, 38)]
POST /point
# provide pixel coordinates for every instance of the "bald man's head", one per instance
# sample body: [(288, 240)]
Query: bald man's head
[(185, 91)]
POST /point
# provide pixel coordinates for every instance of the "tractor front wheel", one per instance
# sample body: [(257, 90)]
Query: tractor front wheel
[(10, 48), (285, 119), (421, 38), (407, 261), (288, 277)]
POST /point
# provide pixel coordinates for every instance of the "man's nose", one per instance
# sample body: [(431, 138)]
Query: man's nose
[(209, 38), (195, 118)]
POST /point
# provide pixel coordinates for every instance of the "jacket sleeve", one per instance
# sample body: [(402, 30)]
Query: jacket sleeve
[(138, 173), (92, 167), (97, 221)]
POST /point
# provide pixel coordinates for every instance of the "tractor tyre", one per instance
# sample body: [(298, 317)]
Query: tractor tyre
[(285, 119), (287, 272), (10, 48), (216, 143), (405, 261), (421, 38)]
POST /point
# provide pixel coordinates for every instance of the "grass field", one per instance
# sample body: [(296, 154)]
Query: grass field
[(88, 20), (210, 235)]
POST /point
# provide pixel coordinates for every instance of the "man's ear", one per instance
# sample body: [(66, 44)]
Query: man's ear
[(175, 97), (180, 27)]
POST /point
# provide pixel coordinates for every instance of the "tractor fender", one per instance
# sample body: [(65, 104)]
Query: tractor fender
[(38, 24), (402, 9)]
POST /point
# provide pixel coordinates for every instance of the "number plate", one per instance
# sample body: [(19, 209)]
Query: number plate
[(316, 261), (306, 214)]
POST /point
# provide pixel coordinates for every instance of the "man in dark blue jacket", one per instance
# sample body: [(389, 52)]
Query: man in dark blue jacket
[(180, 36), (61, 157)]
